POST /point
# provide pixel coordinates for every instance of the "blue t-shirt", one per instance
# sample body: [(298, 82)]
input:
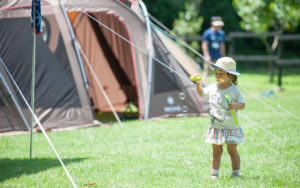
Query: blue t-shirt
[(214, 42)]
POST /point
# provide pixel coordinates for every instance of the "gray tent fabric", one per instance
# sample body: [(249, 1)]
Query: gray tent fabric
[(130, 24), (61, 98), (168, 86), (11, 118), (134, 26)]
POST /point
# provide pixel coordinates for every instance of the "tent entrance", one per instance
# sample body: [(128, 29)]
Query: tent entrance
[(110, 56)]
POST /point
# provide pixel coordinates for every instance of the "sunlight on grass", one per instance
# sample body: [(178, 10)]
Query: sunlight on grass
[(165, 153)]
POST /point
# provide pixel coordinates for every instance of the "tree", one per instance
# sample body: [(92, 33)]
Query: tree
[(223, 8), (189, 24), (268, 15), (166, 11), (196, 18)]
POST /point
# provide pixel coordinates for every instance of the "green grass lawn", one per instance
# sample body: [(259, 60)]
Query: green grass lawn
[(165, 153)]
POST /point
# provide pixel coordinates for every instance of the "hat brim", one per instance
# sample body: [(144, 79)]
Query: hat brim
[(218, 23), (214, 66)]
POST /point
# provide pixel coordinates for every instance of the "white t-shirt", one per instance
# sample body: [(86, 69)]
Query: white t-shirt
[(219, 110)]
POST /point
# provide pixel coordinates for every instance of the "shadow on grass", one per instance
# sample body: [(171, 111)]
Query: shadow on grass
[(108, 117), (13, 168)]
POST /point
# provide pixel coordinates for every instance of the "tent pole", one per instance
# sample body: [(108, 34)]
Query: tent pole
[(33, 75), (75, 45), (14, 100), (150, 50)]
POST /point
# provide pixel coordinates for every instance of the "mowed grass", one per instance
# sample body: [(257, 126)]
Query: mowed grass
[(166, 153)]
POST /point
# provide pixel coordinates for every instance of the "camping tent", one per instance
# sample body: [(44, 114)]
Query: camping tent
[(122, 65), (61, 97), (10, 120)]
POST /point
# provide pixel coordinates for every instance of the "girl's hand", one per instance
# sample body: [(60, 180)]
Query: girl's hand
[(231, 106), (197, 79), (239, 106)]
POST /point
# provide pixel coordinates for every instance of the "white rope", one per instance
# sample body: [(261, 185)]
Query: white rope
[(15, 101), (272, 103), (145, 52), (259, 99), (290, 113), (181, 41), (40, 126), (99, 84), (139, 48), (261, 127), (131, 43), (258, 125)]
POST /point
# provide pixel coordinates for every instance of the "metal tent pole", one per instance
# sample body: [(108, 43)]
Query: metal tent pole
[(75, 44), (14, 99), (150, 51), (33, 74)]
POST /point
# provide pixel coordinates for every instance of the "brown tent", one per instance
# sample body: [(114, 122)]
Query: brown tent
[(62, 100), (61, 97), (123, 68)]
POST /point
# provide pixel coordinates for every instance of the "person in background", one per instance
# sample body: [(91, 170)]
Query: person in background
[(213, 42)]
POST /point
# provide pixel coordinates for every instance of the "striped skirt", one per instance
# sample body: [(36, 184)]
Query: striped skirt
[(222, 136)]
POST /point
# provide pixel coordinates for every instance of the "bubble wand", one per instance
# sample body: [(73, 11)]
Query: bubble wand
[(196, 78), (232, 111)]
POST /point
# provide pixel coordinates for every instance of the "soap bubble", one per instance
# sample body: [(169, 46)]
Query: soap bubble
[(181, 116), (184, 108), (181, 96)]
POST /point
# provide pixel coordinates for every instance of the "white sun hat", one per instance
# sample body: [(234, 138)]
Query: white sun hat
[(217, 23), (226, 64)]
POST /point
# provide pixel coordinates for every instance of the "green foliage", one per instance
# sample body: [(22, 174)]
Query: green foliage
[(196, 18), (224, 8), (166, 11), (188, 23), (268, 15)]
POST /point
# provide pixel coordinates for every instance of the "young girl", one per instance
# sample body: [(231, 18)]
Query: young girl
[(224, 127)]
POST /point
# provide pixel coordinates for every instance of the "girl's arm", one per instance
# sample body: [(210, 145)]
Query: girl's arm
[(223, 49), (199, 88), (238, 106), (205, 50)]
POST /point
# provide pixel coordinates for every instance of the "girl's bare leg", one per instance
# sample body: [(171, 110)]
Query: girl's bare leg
[(234, 155), (216, 158)]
